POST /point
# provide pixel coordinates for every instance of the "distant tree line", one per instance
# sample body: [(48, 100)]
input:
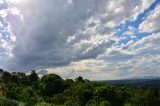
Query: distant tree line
[(19, 89)]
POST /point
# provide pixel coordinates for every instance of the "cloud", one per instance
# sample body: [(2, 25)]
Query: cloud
[(73, 36), (91, 68), (148, 45), (41, 35), (140, 59), (151, 23), (135, 58)]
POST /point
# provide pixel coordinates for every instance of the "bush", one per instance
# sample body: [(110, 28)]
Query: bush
[(7, 102), (92, 103), (105, 103), (43, 104)]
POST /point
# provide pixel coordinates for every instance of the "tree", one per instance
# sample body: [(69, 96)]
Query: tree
[(80, 94), (15, 79), (22, 76), (114, 95), (50, 77), (24, 79), (80, 79), (29, 96), (105, 103), (33, 76), (12, 91), (68, 83), (6, 77), (53, 84), (7, 102), (1, 72), (83, 96)]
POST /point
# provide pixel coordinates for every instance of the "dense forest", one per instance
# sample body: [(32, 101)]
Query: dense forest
[(19, 89)]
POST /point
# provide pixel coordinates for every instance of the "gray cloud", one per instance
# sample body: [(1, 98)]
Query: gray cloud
[(41, 37), (76, 36)]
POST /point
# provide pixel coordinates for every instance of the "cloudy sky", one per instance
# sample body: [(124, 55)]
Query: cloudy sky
[(96, 39)]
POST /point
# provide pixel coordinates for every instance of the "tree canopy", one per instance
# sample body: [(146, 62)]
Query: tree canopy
[(17, 88)]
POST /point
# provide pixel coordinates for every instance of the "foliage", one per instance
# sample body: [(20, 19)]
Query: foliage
[(52, 84), (6, 77), (8, 102), (105, 103), (43, 104), (52, 90), (33, 76)]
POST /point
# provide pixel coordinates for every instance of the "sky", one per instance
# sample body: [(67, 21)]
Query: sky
[(95, 39)]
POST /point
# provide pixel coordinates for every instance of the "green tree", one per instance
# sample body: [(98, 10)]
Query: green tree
[(114, 95), (105, 103), (80, 79), (7, 102), (6, 77), (79, 94), (33, 76), (13, 91), (1, 71), (29, 97), (52, 84), (15, 79)]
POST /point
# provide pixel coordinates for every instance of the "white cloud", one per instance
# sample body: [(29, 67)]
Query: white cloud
[(72, 36), (91, 68), (135, 58), (151, 24)]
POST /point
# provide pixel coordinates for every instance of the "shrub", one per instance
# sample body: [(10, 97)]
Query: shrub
[(7, 102), (43, 104), (105, 103)]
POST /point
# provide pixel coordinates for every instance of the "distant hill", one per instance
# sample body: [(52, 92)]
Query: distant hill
[(145, 77), (146, 81)]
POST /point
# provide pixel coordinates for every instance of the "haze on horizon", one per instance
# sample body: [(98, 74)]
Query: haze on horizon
[(96, 39)]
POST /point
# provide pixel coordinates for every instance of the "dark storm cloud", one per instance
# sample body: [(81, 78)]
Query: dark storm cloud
[(41, 37)]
